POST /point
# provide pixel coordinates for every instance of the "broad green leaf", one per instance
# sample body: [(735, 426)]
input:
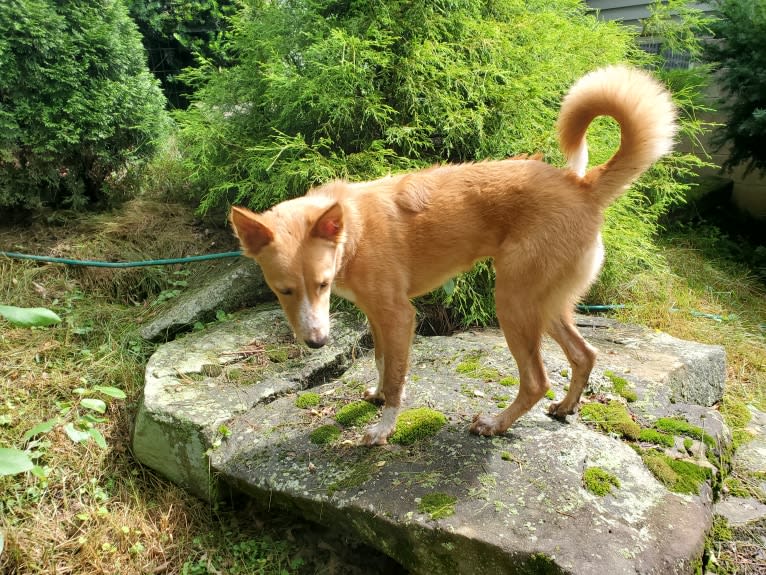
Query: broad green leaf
[(43, 427), (110, 391), (93, 404), (13, 461), (97, 437), (29, 316), (39, 472), (76, 435)]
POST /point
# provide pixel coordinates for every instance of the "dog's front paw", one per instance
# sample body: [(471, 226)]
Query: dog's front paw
[(374, 395), (560, 410), (483, 425), (377, 434)]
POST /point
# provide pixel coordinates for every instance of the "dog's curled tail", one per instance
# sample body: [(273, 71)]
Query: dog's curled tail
[(645, 112)]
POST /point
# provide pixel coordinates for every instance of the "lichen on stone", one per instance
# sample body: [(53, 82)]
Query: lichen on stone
[(622, 386), (325, 434), (308, 399), (416, 424), (611, 418), (599, 481), (356, 413), (438, 505)]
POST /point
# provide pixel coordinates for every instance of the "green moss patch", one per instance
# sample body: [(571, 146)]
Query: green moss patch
[(438, 505), (676, 475), (678, 426), (550, 394), (599, 481), (308, 399), (720, 530), (622, 386), (472, 367), (509, 381), (356, 413), (656, 437), (611, 418), (325, 434), (416, 424)]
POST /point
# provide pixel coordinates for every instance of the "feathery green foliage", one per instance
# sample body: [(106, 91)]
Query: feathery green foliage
[(325, 89)]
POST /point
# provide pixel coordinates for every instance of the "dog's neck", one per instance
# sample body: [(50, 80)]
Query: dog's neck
[(346, 248)]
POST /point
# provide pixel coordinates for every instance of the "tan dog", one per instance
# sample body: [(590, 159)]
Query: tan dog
[(381, 243)]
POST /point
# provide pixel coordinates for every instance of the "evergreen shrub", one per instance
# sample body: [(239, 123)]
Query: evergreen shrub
[(77, 103), (327, 89)]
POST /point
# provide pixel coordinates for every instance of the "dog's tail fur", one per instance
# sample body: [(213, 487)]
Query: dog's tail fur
[(646, 115)]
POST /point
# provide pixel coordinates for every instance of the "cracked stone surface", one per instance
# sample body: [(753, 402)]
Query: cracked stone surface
[(219, 413)]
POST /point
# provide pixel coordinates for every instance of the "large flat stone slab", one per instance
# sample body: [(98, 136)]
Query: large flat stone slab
[(195, 385), (519, 504)]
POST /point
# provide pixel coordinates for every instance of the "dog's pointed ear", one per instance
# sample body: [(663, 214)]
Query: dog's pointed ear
[(253, 235), (330, 224)]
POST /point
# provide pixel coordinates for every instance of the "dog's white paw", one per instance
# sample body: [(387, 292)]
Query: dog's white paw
[(374, 395), (378, 433), (483, 425), (559, 410)]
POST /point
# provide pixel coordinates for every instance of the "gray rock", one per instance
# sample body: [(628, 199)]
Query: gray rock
[(229, 285), (519, 501), (740, 510), (751, 457), (198, 383)]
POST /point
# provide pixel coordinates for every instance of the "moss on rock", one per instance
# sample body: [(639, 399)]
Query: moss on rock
[(471, 367), (611, 418), (678, 426), (416, 424), (356, 413), (599, 481), (438, 505), (325, 434), (622, 386), (308, 399), (677, 475), (658, 438)]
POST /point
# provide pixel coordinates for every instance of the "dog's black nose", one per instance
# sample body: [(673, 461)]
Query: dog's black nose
[(316, 343)]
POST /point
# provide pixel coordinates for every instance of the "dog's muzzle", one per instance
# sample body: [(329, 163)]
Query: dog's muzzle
[(316, 343)]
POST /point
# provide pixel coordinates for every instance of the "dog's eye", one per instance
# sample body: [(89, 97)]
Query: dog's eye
[(323, 285), (285, 291)]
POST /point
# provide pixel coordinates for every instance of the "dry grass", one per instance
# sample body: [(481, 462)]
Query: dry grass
[(97, 510), (698, 282)]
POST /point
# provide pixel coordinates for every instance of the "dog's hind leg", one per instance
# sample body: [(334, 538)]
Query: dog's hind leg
[(395, 330), (518, 315), (581, 356)]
